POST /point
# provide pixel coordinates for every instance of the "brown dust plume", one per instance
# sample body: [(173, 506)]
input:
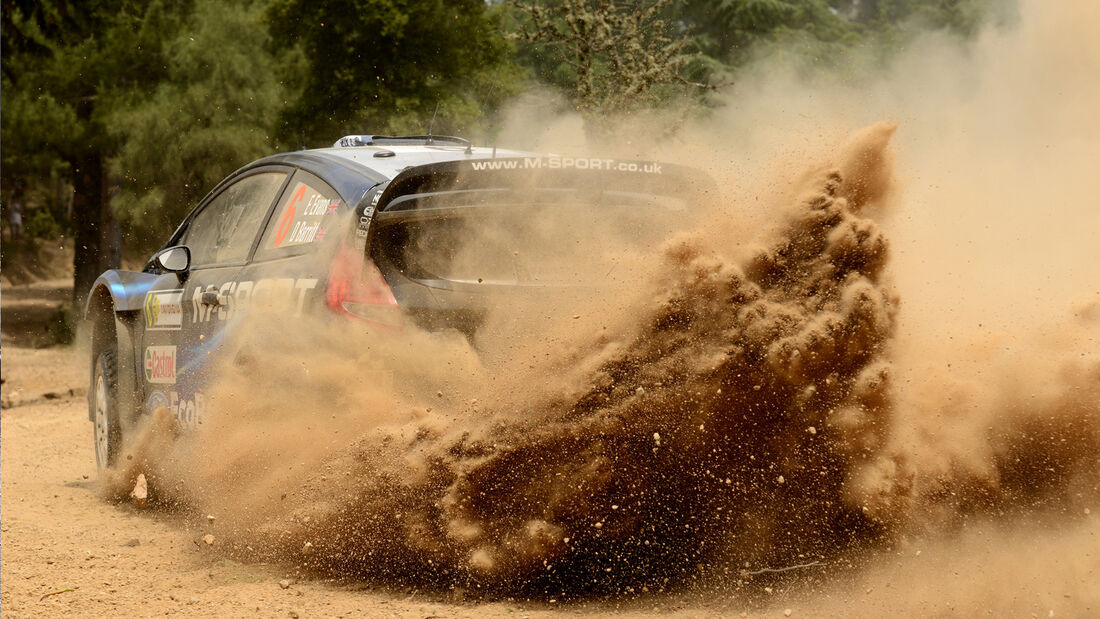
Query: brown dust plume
[(730, 413), (798, 391)]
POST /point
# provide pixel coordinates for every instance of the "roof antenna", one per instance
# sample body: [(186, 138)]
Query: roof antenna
[(303, 139), (432, 125), (470, 145)]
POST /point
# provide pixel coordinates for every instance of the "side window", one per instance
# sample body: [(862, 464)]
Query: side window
[(224, 230), (307, 210)]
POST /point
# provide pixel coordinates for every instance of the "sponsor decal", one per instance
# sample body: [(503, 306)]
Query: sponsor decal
[(160, 364), (567, 163), (156, 400), (278, 294), (301, 220), (189, 412), (164, 310), (362, 230)]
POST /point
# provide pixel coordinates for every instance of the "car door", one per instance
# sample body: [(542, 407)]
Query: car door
[(186, 313), (294, 255)]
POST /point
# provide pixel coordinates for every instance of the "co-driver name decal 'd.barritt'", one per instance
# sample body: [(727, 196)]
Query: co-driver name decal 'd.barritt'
[(160, 364), (164, 310)]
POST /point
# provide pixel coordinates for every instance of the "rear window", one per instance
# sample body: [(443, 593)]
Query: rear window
[(303, 219), (566, 244)]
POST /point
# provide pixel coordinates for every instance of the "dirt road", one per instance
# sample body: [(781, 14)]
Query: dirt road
[(68, 552)]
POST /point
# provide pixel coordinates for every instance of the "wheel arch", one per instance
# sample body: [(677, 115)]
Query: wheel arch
[(113, 322), (100, 311)]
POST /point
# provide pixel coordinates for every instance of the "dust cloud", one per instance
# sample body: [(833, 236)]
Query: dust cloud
[(726, 408), (776, 384)]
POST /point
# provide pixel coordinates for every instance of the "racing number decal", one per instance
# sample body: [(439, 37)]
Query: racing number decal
[(288, 216)]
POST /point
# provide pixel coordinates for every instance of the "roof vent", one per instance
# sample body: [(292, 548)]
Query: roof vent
[(354, 140)]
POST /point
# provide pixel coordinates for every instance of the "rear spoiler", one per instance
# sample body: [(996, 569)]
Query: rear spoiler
[(530, 175), (437, 187)]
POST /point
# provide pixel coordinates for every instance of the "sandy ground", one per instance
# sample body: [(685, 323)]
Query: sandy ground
[(96, 558), (29, 309), (67, 552)]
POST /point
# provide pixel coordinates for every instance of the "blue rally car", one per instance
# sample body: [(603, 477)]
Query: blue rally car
[(371, 230)]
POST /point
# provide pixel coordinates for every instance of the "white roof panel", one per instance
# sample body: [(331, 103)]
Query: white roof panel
[(406, 155)]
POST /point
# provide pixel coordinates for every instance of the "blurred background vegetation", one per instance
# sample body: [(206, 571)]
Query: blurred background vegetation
[(117, 116)]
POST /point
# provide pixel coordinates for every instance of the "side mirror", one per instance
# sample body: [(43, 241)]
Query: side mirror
[(174, 259)]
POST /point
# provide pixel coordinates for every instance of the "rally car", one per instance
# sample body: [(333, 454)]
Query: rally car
[(357, 231)]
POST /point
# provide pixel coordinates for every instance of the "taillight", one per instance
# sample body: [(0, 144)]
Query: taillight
[(357, 289)]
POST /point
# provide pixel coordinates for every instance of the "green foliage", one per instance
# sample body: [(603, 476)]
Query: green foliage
[(72, 64), (817, 36), (961, 17), (41, 225), (34, 107), (69, 64), (30, 122), (384, 65), (610, 57), (148, 104), (213, 110), (731, 31)]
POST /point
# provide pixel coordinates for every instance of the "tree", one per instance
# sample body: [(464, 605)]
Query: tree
[(617, 56), (822, 34), (731, 30), (962, 17), (214, 109), (66, 65), (385, 65)]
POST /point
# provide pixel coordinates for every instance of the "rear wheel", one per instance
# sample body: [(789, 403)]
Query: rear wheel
[(106, 431)]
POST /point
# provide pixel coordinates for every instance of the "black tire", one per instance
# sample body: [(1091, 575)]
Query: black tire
[(106, 431)]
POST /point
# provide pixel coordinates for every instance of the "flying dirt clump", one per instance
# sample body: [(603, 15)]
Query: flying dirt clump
[(729, 416)]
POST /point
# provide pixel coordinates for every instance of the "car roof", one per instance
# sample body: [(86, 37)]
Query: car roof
[(352, 170), (390, 159)]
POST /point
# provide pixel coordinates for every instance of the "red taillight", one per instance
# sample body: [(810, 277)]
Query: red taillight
[(357, 289)]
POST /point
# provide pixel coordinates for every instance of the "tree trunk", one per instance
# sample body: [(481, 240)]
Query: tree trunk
[(98, 238)]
